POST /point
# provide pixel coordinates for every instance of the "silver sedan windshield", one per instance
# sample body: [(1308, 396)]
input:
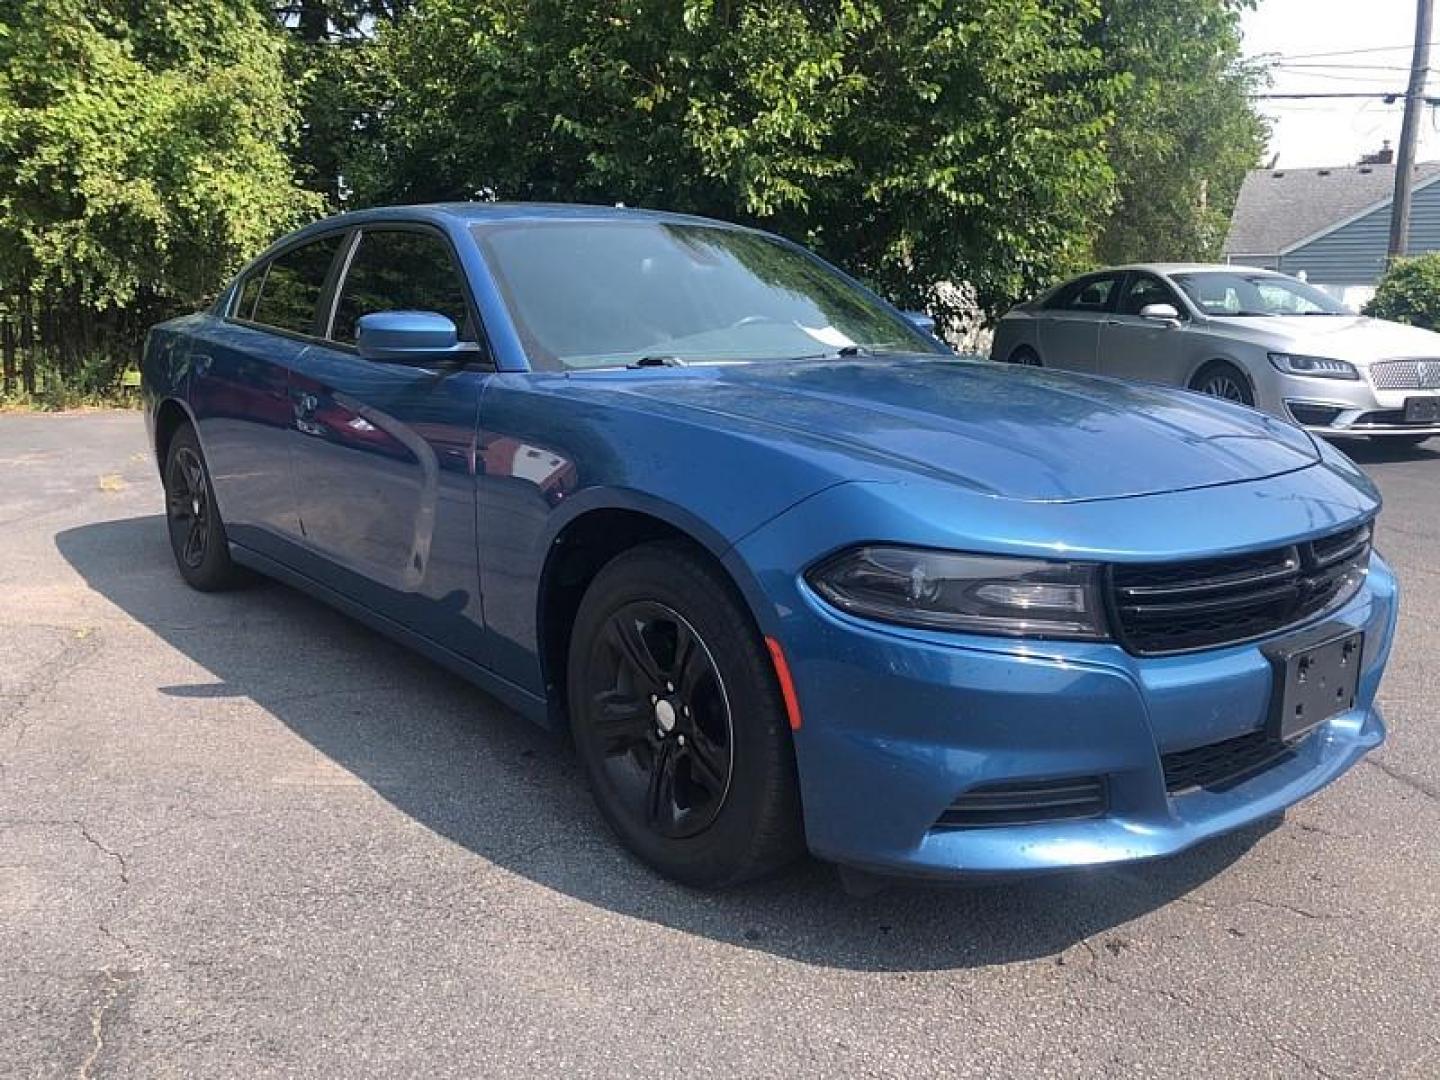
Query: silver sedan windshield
[(1236, 293)]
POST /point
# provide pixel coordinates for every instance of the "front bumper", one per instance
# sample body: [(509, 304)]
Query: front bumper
[(1334, 407), (898, 723)]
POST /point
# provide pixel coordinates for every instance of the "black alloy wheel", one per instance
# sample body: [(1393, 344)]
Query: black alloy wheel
[(187, 501), (197, 535), (678, 719), (661, 708)]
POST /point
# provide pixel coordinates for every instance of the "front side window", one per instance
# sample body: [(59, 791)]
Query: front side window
[(395, 270), (293, 284), (1144, 290), (587, 294), (1227, 293)]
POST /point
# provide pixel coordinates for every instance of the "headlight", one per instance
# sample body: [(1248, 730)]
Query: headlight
[(1315, 367), (983, 594)]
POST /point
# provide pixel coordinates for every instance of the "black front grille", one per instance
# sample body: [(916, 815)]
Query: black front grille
[(1162, 608), (1223, 764), (1026, 802)]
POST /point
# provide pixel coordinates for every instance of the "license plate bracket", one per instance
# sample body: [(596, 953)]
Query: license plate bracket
[(1317, 675), (1422, 410)]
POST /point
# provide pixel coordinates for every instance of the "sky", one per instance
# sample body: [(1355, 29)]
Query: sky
[(1336, 132)]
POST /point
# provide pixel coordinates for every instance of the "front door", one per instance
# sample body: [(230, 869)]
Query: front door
[(1070, 328), (385, 458), (1143, 349)]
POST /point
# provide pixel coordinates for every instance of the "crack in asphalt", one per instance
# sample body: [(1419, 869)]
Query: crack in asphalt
[(1096, 970), (115, 986), (83, 642), (111, 852), (1414, 783)]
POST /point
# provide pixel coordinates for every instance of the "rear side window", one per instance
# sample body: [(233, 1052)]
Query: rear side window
[(1087, 294), (249, 290), (394, 270), (293, 284)]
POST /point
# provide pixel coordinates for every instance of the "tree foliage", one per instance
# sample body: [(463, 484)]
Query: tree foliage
[(148, 146), (1409, 292), (143, 154), (954, 140), (1185, 132)]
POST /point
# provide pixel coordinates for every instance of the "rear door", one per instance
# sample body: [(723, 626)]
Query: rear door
[(240, 391), (1071, 319), (1143, 349), (385, 459)]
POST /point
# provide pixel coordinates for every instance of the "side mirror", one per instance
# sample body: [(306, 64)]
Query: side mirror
[(409, 337), (1161, 313), (920, 321)]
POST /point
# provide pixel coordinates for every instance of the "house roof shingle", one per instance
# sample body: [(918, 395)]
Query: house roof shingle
[(1278, 207)]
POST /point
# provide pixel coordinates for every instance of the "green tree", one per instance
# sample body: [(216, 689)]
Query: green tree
[(1185, 131), (328, 63), (142, 157), (955, 140), (1409, 292)]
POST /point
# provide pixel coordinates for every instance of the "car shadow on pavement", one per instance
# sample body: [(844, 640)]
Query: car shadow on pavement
[(452, 759), (1372, 451)]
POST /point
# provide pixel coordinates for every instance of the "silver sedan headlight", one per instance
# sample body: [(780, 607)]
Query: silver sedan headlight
[(1313, 367), (983, 594)]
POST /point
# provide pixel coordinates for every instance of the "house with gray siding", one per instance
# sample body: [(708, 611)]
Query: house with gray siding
[(1331, 225)]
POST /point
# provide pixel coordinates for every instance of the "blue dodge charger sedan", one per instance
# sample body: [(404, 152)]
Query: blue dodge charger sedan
[(791, 573)]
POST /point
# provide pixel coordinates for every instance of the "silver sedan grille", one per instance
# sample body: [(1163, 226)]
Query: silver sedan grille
[(1406, 374)]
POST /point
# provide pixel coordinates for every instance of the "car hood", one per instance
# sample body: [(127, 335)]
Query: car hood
[(1010, 432), (1356, 338)]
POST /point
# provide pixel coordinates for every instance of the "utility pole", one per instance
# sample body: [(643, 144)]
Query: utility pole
[(1410, 130)]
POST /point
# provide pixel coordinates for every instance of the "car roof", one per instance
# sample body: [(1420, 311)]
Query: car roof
[(479, 212), (1168, 268)]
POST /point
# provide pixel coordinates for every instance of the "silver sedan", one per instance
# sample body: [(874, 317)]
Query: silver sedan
[(1252, 336)]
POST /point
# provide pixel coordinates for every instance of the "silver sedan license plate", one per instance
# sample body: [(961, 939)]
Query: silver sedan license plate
[(1422, 410)]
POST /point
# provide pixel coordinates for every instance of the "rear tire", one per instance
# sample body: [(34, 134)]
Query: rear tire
[(197, 535), (1224, 381), (679, 721), (1026, 357)]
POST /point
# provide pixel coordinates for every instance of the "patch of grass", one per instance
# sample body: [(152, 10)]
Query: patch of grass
[(61, 399)]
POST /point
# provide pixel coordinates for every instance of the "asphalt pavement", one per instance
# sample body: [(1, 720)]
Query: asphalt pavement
[(241, 835)]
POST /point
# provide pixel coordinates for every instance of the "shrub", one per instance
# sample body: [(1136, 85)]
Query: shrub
[(1410, 292)]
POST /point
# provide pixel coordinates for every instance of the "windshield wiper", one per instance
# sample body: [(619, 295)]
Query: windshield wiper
[(662, 360)]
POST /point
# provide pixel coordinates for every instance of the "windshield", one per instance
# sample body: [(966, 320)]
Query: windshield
[(587, 294), (1230, 293)]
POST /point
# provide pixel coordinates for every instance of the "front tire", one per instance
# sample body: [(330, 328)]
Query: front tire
[(679, 722), (197, 535), (1224, 381)]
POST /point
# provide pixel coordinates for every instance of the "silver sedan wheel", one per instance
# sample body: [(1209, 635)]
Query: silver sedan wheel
[(1224, 385)]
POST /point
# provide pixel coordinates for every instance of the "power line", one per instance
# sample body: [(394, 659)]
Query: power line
[(1344, 52), (1384, 95), (1338, 67), (1326, 76)]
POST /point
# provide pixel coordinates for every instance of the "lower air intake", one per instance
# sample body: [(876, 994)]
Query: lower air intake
[(1223, 764), (1026, 802)]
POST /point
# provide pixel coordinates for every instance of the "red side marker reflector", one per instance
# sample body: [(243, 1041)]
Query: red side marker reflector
[(787, 684)]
